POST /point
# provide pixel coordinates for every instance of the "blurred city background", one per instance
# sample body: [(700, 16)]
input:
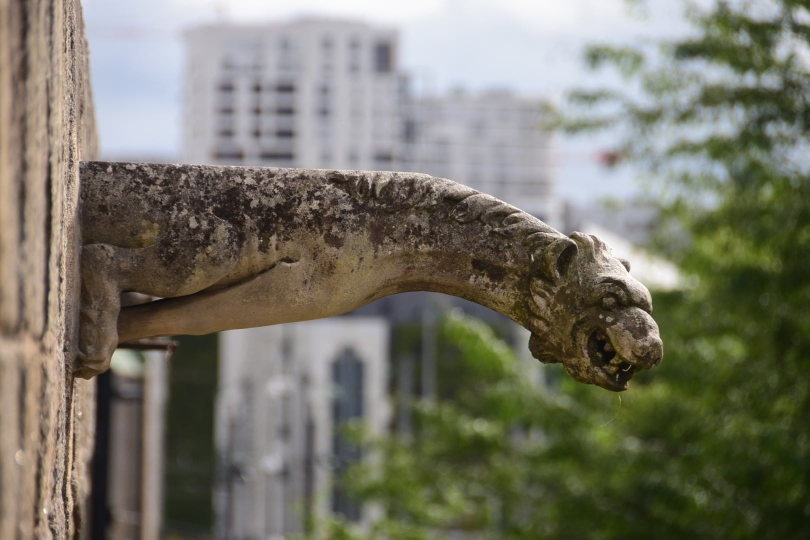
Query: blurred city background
[(268, 433)]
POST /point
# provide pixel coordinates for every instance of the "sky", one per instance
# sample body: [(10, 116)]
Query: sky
[(533, 47)]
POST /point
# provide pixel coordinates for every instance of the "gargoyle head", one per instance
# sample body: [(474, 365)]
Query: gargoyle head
[(590, 315)]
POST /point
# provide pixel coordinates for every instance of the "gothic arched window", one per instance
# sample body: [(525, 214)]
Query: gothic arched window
[(347, 404)]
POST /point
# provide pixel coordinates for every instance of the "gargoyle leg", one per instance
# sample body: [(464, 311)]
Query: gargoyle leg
[(274, 296), (109, 270), (100, 304)]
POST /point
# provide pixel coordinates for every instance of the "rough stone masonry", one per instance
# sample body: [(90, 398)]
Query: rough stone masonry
[(46, 128)]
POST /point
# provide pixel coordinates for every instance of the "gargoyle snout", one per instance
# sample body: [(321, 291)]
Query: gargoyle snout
[(649, 351), (638, 340)]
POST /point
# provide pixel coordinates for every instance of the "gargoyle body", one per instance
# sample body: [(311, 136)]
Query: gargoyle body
[(239, 247)]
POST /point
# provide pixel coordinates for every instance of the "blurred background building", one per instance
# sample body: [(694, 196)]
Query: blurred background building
[(493, 141), (285, 394), (311, 93)]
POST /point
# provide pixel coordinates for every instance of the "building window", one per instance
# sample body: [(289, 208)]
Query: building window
[(257, 133), (347, 404), (227, 87), (271, 154), (409, 131), (383, 58), (229, 155), (257, 87), (384, 157), (285, 88), (226, 133), (285, 134), (227, 110), (285, 111)]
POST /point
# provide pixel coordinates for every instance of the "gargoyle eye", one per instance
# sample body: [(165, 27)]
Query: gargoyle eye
[(609, 301), (612, 294)]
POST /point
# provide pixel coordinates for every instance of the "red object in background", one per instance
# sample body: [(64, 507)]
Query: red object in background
[(609, 158)]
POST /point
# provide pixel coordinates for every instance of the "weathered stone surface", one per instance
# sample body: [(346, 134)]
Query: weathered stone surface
[(46, 127), (238, 247)]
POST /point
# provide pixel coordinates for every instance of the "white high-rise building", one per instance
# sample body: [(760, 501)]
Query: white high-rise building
[(284, 393), (492, 141), (309, 93)]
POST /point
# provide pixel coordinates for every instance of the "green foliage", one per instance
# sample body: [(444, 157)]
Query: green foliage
[(723, 122), (715, 443), (189, 452)]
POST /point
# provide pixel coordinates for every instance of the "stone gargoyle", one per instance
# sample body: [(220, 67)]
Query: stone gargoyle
[(240, 247)]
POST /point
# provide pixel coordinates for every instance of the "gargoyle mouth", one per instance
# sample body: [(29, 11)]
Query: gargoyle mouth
[(602, 354)]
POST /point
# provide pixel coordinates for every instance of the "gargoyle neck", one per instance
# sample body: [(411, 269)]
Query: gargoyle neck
[(473, 274), (431, 234)]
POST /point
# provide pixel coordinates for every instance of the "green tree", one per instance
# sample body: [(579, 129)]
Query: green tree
[(722, 119), (715, 443)]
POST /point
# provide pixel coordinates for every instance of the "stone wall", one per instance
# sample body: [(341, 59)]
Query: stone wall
[(46, 127)]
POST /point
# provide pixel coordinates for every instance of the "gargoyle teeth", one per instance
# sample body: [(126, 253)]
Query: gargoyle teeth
[(600, 350), (616, 365), (600, 335)]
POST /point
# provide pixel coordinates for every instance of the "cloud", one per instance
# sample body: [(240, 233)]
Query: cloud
[(533, 47), (372, 10)]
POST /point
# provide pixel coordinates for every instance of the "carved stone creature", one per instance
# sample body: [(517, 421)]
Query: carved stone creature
[(239, 247)]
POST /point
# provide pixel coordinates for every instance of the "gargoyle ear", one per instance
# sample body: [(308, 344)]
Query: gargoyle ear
[(625, 263), (557, 259)]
